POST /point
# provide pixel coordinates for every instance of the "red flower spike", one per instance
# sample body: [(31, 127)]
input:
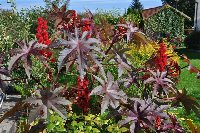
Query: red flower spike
[(161, 58), (46, 53), (158, 122), (83, 94), (42, 34), (53, 60)]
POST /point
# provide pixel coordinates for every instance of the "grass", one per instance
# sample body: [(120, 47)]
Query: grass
[(190, 82)]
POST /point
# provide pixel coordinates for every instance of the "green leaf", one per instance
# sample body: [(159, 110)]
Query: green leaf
[(51, 126), (88, 128), (74, 123), (110, 128), (87, 118), (123, 129), (95, 130)]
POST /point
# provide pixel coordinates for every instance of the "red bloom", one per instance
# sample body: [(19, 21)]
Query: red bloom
[(74, 14), (86, 26), (53, 60), (161, 58), (45, 53), (72, 23), (42, 32), (158, 122), (83, 96), (121, 30)]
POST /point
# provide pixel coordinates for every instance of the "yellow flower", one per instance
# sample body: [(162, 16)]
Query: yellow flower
[(141, 55), (170, 51)]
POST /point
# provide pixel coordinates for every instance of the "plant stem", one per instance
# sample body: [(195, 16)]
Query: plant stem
[(38, 81)]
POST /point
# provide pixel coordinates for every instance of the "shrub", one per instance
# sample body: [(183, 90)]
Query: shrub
[(76, 77), (192, 41), (166, 21)]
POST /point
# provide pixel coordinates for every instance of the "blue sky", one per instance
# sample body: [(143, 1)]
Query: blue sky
[(80, 5)]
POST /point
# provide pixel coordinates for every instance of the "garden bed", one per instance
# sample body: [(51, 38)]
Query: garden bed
[(97, 73)]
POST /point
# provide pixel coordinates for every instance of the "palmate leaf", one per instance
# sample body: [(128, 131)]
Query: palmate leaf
[(4, 72), (159, 80), (80, 49), (117, 55), (46, 100), (110, 91), (129, 80), (105, 30), (189, 102), (142, 113), (173, 126), (4, 75), (23, 54), (191, 68), (122, 64), (130, 30), (140, 40), (60, 15)]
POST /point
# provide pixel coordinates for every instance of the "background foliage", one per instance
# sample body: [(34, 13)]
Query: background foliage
[(192, 41), (85, 122), (185, 6), (166, 21)]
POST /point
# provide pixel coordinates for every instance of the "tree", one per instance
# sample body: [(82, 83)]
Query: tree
[(185, 6), (136, 5), (56, 2)]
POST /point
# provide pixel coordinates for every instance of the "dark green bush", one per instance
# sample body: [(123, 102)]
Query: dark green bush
[(166, 21), (192, 41)]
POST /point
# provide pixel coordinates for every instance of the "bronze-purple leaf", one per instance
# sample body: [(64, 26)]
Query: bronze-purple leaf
[(45, 100), (24, 54), (110, 91), (80, 49), (159, 80)]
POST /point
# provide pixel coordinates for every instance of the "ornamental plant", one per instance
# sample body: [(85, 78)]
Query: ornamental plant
[(93, 82)]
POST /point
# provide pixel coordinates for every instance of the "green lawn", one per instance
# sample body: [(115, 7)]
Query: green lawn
[(189, 81)]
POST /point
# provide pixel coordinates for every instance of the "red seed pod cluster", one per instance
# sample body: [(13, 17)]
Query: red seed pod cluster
[(86, 26), (158, 123), (121, 30), (74, 14), (83, 94), (42, 32), (43, 37), (46, 53), (73, 21), (161, 58)]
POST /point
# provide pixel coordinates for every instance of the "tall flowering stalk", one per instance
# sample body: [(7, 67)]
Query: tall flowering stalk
[(43, 36), (161, 58), (83, 94), (86, 26), (42, 32)]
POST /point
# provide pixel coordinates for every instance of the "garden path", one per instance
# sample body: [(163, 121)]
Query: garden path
[(7, 124)]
